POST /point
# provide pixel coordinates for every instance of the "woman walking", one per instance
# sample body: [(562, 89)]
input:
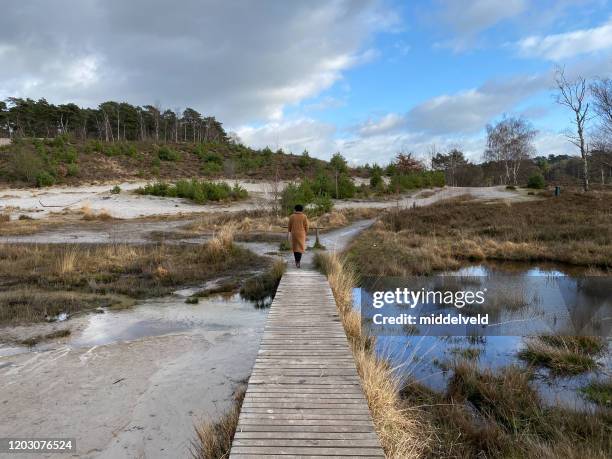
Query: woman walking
[(298, 227)]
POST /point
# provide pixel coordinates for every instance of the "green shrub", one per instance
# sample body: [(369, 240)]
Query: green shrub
[(44, 178), (296, 194), (346, 188), (95, 145), (60, 141), (25, 165), (197, 191), (165, 153), (72, 170), (116, 189), (212, 168), (414, 180), (117, 149), (536, 181), (322, 204), (376, 181), (303, 193)]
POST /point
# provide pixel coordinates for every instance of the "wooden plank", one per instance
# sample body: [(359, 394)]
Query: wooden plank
[(311, 450), (359, 442), (307, 435), (304, 396)]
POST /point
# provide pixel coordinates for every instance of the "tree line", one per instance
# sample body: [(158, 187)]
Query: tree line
[(510, 154), (111, 121)]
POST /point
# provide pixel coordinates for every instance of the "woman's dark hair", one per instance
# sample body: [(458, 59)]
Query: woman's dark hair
[(298, 208)]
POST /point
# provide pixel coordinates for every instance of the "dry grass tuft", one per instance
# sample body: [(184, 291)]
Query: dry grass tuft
[(564, 354), (90, 215), (400, 431), (214, 439), (67, 261)]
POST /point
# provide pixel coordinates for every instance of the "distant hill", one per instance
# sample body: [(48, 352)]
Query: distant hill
[(65, 160)]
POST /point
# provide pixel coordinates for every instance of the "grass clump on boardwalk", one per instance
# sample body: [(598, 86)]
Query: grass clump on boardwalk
[(199, 192), (213, 440), (564, 354)]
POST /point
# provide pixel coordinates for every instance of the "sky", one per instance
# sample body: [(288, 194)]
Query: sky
[(367, 78)]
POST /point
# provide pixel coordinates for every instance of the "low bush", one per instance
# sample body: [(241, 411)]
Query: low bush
[(166, 153), (414, 180), (118, 149), (212, 168), (197, 191), (316, 203), (536, 181), (72, 170), (44, 178)]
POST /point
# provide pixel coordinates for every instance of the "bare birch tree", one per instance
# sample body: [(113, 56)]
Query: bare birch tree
[(573, 95), (601, 91), (510, 142)]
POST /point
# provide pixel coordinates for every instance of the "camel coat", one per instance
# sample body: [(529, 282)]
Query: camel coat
[(298, 227)]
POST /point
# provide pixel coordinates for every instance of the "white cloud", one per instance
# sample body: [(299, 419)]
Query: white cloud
[(468, 19), (566, 45), (292, 136), (238, 61), (463, 112), (387, 123)]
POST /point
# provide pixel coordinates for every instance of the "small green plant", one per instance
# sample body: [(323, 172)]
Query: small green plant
[(165, 153), (192, 300), (72, 170), (212, 168), (44, 178), (318, 246), (599, 392), (322, 204), (284, 246), (116, 189), (536, 181)]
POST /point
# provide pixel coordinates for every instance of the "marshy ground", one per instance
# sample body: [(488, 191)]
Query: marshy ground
[(147, 318), (539, 396)]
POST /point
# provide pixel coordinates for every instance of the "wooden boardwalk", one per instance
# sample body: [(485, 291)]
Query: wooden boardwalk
[(304, 397)]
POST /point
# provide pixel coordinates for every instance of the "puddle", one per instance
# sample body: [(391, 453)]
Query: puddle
[(426, 358), (156, 317)]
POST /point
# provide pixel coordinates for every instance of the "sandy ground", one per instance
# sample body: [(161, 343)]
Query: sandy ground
[(40, 203), (132, 397)]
